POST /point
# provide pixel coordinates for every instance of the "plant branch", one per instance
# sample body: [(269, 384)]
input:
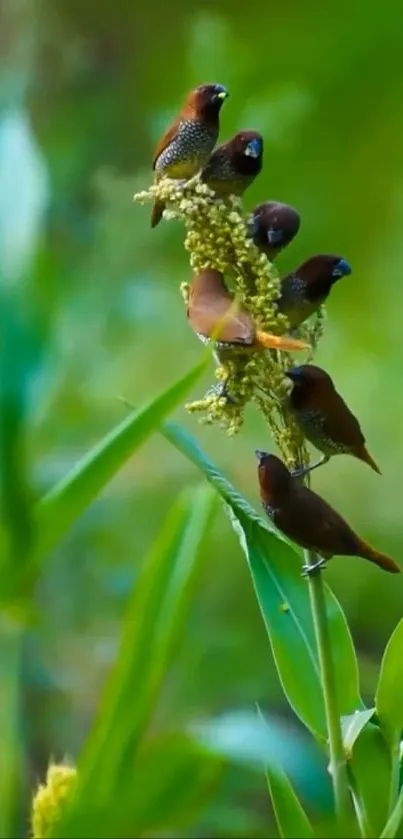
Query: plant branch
[(394, 821), (338, 766)]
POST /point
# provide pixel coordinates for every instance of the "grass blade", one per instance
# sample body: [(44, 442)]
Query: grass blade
[(284, 601), (154, 618), (290, 817), (59, 509)]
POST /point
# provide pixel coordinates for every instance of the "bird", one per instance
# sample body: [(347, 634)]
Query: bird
[(215, 315), (272, 225), (186, 145), (306, 288), (234, 165), (308, 519), (324, 418)]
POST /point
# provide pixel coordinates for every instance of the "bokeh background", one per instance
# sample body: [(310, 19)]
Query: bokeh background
[(86, 89)]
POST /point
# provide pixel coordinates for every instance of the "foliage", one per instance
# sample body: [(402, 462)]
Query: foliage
[(90, 310)]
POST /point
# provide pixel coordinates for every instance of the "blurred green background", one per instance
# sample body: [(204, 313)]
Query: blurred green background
[(86, 89)]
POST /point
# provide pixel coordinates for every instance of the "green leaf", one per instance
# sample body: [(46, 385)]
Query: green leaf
[(351, 727), (370, 775), (284, 602), (389, 693), (11, 756), (291, 819), (154, 619), (60, 508)]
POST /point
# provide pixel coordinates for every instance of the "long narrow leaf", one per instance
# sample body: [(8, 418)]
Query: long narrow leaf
[(284, 602), (154, 618), (290, 817), (389, 693), (60, 508)]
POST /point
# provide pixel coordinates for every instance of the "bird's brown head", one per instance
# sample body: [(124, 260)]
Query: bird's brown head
[(273, 224), (310, 384), (323, 270), (274, 478), (206, 100), (246, 152)]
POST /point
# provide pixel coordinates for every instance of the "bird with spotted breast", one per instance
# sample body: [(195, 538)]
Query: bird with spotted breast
[(304, 290), (324, 418), (186, 145), (234, 165), (308, 519), (272, 226)]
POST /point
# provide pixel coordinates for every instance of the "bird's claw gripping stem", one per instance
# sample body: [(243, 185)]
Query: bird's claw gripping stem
[(312, 570)]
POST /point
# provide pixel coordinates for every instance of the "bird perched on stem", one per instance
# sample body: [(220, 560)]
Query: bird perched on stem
[(272, 226), (215, 315), (308, 519), (234, 165), (306, 288), (188, 142), (324, 418)]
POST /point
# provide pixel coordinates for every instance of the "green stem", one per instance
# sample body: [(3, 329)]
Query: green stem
[(395, 776), (394, 821), (338, 765)]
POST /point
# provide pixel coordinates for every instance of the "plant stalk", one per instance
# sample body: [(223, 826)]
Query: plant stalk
[(338, 765)]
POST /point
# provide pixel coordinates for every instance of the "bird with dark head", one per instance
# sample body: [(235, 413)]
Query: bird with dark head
[(308, 519), (306, 288), (324, 418), (188, 142), (215, 315), (272, 226), (234, 165)]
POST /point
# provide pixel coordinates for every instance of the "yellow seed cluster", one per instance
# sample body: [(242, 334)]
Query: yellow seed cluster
[(216, 237), (51, 798)]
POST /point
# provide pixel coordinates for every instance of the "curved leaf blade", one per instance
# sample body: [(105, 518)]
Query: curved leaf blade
[(154, 619), (290, 816), (370, 774), (59, 509), (351, 727), (389, 692), (284, 601)]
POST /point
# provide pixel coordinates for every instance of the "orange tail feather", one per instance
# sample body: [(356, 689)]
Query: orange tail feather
[(382, 560), (363, 454), (157, 211), (279, 342)]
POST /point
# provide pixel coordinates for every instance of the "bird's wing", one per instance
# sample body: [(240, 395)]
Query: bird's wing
[(165, 140), (222, 319), (340, 424), (314, 524)]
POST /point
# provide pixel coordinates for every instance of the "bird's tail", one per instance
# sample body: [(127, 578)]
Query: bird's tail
[(363, 454), (157, 211), (279, 342), (382, 560)]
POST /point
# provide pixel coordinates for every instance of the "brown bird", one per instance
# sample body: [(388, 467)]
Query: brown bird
[(234, 165), (306, 288), (308, 519), (215, 315), (188, 142), (272, 226), (324, 418)]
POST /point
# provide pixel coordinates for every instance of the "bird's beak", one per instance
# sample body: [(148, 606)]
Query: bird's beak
[(260, 454), (253, 150), (291, 374), (274, 237), (222, 94), (342, 269)]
